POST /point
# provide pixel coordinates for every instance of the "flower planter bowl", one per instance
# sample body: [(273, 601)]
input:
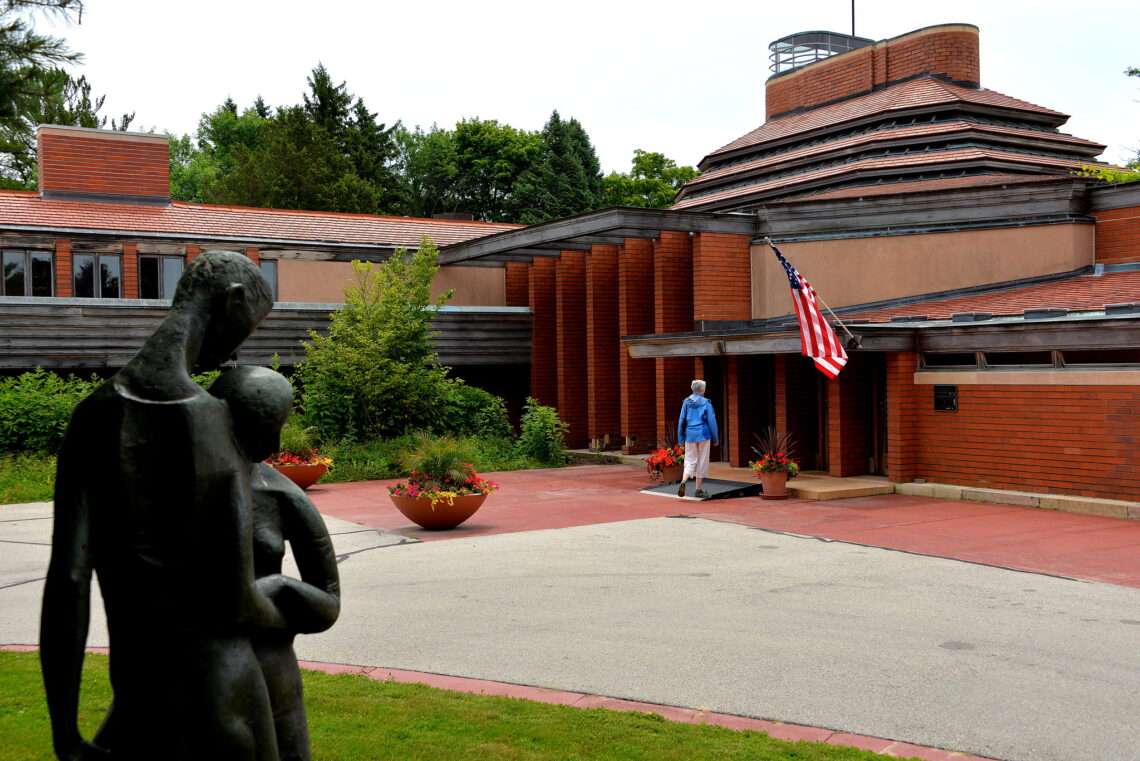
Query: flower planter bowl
[(444, 516), (302, 475), (775, 485), (671, 473)]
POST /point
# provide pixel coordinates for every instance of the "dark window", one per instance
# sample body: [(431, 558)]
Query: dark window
[(1019, 359), (946, 398), (1101, 357), (90, 286), (269, 272), (158, 275), (27, 273), (955, 360)]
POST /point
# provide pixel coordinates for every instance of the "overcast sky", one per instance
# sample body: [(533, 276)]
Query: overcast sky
[(682, 78)]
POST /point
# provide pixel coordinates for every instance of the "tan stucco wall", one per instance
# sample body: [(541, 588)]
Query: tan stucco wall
[(862, 270), (323, 282)]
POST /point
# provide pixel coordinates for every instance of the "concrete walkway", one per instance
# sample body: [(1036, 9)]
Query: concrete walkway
[(573, 583)]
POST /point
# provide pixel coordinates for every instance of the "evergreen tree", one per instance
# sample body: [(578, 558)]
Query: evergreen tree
[(29, 77), (564, 179), (297, 166)]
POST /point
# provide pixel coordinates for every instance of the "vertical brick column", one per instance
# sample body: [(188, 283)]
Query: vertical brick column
[(61, 264), (780, 391), (573, 388), (636, 318), (737, 390), (544, 346), (517, 284), (130, 270), (903, 441), (722, 277), (603, 346), (192, 252), (673, 313), (254, 254), (849, 420)]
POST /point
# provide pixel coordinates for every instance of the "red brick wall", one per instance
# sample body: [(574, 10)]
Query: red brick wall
[(1077, 440), (130, 270), (849, 419), (254, 254), (103, 162), (573, 386), (544, 351), (722, 277), (603, 346), (903, 398), (1080, 440), (192, 252), (517, 284), (951, 50), (636, 317), (64, 283), (1118, 235), (672, 312)]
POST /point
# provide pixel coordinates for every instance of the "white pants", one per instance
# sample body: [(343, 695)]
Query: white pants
[(697, 458)]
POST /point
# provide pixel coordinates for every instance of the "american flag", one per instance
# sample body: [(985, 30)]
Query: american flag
[(817, 339)]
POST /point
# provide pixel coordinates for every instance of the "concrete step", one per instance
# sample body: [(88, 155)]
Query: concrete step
[(818, 486)]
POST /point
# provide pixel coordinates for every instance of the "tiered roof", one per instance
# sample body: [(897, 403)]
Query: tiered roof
[(923, 129)]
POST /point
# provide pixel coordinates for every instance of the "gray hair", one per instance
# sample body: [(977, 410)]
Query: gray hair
[(698, 387)]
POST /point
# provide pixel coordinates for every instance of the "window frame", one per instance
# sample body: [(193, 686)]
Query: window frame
[(164, 292), (96, 275), (28, 256)]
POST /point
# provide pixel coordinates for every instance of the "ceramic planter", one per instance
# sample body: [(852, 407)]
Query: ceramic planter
[(775, 485), (302, 475), (671, 473), (419, 510)]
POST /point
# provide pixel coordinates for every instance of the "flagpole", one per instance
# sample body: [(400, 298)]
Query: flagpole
[(825, 306)]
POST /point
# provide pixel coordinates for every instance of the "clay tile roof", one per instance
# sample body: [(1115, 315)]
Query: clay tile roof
[(1078, 293), (920, 160), (917, 93), (913, 132), (921, 186), (28, 209)]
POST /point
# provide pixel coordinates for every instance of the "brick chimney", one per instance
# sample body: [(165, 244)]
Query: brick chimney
[(947, 51), (103, 165)]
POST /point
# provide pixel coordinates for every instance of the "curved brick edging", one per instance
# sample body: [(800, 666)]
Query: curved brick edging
[(776, 729)]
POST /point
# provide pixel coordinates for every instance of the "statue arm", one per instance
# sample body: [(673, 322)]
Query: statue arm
[(66, 611), (312, 603)]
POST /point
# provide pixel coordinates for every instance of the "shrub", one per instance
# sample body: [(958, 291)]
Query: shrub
[(35, 408), (543, 436), (373, 374), (470, 411)]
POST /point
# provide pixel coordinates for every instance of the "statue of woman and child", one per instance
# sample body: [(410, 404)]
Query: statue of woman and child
[(161, 491)]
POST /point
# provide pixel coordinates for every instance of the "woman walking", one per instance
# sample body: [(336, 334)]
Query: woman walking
[(697, 429)]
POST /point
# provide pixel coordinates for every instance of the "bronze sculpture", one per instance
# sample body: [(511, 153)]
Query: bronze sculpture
[(153, 494)]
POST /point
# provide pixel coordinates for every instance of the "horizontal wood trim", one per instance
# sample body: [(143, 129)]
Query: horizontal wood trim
[(1029, 378), (108, 334)]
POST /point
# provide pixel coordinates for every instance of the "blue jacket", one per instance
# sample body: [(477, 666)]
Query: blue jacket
[(698, 421)]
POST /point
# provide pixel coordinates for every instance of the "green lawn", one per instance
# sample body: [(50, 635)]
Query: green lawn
[(354, 718), (26, 477)]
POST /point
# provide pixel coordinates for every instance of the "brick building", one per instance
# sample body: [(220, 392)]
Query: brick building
[(995, 296), (91, 258)]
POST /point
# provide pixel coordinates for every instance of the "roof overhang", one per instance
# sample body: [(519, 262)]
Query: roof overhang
[(604, 227), (1081, 331)]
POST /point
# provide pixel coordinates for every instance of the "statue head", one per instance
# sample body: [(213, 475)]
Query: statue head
[(227, 291), (260, 401)]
